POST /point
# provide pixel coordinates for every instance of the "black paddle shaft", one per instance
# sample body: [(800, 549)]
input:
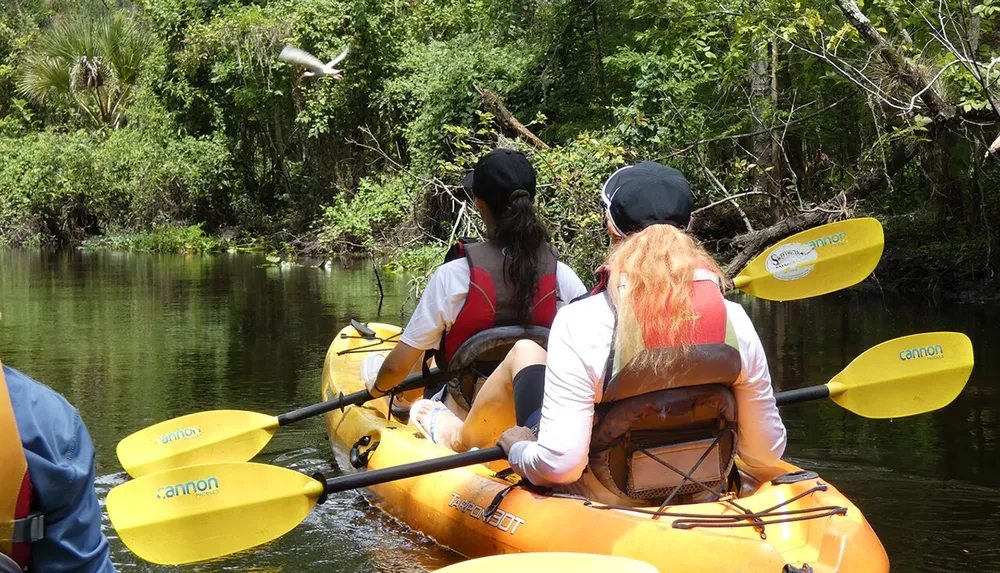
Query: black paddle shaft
[(342, 401), (412, 381), (802, 395), (375, 477)]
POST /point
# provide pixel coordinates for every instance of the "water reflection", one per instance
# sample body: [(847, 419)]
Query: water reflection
[(928, 484), (133, 339)]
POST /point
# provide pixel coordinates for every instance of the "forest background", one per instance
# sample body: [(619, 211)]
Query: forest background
[(172, 125)]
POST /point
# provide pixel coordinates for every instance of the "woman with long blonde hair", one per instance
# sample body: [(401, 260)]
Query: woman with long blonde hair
[(660, 290)]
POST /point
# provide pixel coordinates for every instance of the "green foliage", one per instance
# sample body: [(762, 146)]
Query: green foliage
[(19, 22), (371, 217), (63, 187), (417, 264), (161, 239), (438, 82), (92, 62), (779, 103), (569, 201)]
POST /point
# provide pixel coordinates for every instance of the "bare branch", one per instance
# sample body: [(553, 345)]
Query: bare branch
[(718, 185), (907, 72), (689, 146), (854, 75), (728, 199), (751, 243)]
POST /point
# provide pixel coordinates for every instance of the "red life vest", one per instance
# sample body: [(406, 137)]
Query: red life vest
[(15, 486), (490, 301), (711, 327)]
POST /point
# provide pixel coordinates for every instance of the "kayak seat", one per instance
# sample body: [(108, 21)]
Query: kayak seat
[(479, 356), (671, 445)]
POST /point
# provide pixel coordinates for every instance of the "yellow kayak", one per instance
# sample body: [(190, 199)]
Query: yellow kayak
[(798, 520)]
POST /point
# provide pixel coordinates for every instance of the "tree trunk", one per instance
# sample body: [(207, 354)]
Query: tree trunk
[(761, 145), (600, 53), (788, 142), (897, 24), (777, 153), (280, 150), (975, 28), (946, 191)]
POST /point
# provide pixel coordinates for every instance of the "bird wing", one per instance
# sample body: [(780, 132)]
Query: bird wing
[(294, 55), (339, 58), (994, 147)]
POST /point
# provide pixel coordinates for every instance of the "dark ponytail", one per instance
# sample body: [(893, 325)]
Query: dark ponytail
[(522, 236)]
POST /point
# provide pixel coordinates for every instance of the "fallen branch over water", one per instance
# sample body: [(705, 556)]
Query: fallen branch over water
[(506, 119)]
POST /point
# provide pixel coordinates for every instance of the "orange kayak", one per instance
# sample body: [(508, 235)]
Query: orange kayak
[(800, 519)]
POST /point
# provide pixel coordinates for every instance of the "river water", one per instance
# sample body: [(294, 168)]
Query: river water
[(133, 339)]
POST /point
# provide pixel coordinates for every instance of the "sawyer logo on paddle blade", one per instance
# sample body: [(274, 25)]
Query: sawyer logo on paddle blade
[(791, 262), (182, 434), (933, 352), (209, 486)]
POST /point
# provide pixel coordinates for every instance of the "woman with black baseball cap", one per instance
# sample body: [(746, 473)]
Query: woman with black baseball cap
[(662, 308), (513, 278)]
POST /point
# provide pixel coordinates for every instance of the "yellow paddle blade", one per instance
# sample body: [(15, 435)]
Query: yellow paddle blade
[(814, 262), (905, 376), (203, 437), (202, 512)]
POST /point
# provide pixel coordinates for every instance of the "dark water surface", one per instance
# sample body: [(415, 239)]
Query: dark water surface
[(134, 339)]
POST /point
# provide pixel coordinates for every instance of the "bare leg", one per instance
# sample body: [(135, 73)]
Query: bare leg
[(493, 410)]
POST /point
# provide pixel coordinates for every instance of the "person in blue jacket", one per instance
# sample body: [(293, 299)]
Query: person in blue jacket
[(50, 519)]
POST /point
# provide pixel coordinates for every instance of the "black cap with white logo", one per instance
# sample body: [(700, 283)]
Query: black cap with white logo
[(497, 175), (638, 196)]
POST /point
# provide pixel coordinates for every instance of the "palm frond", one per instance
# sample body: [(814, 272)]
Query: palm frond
[(95, 62), (68, 40), (44, 80), (125, 46)]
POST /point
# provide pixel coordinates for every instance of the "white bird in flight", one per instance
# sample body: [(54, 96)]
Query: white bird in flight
[(294, 55), (994, 148)]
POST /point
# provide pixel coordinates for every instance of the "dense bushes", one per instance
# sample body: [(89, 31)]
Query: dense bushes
[(62, 187), (160, 239), (570, 177), (371, 217)]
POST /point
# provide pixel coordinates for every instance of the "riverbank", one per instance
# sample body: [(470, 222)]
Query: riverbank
[(921, 264)]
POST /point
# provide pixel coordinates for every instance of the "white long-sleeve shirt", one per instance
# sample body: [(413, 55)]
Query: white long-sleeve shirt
[(578, 348)]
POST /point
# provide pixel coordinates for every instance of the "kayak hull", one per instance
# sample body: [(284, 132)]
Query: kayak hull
[(450, 507)]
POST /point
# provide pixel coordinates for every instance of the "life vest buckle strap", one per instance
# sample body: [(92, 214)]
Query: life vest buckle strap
[(29, 529)]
